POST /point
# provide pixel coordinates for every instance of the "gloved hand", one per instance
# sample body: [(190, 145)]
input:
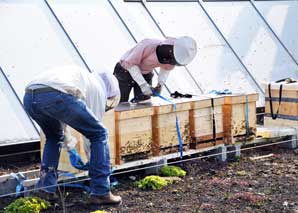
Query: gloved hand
[(146, 89), (157, 89)]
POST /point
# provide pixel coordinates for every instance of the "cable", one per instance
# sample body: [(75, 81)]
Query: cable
[(155, 166)]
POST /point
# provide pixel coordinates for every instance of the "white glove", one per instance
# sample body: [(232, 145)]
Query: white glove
[(137, 76), (70, 141), (163, 76), (146, 89)]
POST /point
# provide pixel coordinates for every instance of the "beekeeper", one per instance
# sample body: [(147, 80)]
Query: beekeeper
[(135, 68), (71, 95)]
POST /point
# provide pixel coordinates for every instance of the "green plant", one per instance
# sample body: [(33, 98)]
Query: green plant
[(172, 171), (99, 211), (152, 182), (27, 205)]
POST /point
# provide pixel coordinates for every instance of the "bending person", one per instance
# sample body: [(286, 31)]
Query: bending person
[(70, 95), (135, 68)]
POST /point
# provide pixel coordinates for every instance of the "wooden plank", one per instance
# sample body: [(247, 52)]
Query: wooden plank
[(285, 93), (135, 135), (167, 128), (238, 116), (275, 131), (148, 111), (235, 116), (269, 122), (204, 101), (208, 144), (169, 108), (155, 133), (286, 108), (227, 123), (192, 122), (240, 98), (117, 138)]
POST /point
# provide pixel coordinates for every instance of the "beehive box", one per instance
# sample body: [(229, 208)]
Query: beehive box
[(234, 116), (201, 121), (64, 163), (164, 124), (288, 109), (133, 134)]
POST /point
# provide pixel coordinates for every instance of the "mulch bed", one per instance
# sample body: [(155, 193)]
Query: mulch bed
[(242, 185)]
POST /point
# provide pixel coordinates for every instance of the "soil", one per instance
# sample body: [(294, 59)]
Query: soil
[(243, 184)]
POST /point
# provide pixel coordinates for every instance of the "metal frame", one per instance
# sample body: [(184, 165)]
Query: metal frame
[(273, 32), (230, 46), (67, 35)]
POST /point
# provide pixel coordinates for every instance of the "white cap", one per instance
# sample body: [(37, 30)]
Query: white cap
[(111, 84), (112, 89), (185, 49)]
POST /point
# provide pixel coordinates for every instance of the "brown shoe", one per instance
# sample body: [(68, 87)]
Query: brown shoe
[(109, 199)]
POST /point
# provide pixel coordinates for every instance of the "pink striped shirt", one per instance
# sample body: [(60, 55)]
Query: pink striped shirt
[(144, 56)]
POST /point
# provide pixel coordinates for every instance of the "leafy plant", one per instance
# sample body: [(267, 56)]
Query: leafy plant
[(27, 205), (152, 182), (99, 211), (172, 171)]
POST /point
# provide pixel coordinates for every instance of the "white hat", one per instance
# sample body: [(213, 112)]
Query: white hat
[(185, 49), (112, 89)]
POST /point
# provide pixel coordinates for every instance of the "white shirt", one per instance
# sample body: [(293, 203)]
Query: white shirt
[(79, 82)]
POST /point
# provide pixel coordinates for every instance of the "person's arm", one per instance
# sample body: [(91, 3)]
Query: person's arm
[(137, 76), (162, 78)]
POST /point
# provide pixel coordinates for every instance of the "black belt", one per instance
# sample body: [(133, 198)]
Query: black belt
[(41, 90)]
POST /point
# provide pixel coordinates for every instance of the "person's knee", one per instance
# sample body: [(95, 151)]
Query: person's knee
[(100, 136)]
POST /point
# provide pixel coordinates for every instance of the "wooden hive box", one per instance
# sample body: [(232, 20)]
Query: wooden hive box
[(133, 134), (288, 109), (64, 163), (201, 121), (234, 116), (164, 131)]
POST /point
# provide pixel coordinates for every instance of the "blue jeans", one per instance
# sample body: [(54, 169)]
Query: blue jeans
[(50, 110)]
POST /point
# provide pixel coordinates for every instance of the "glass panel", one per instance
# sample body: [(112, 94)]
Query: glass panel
[(15, 124), (141, 25), (255, 44), (96, 30), (31, 41), (285, 24)]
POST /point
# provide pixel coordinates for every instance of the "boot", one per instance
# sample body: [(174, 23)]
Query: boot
[(109, 199)]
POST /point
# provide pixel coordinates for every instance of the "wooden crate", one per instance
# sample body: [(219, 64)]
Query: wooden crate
[(288, 109), (234, 116), (201, 121), (164, 131), (64, 163), (133, 134)]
